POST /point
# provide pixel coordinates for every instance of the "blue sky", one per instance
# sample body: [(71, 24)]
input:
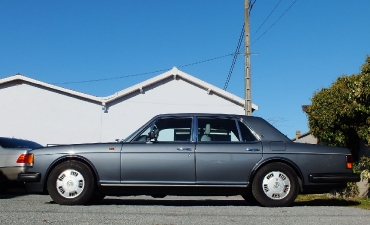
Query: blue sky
[(311, 45)]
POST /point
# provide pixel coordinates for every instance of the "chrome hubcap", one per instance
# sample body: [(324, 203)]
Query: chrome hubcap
[(276, 185), (70, 183)]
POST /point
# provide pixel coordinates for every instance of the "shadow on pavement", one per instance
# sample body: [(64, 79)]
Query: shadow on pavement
[(327, 202), (217, 202), (164, 202), (12, 190)]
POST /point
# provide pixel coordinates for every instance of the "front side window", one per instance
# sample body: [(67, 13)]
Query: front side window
[(168, 130)]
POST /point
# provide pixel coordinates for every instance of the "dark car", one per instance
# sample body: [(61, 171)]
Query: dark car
[(191, 154)]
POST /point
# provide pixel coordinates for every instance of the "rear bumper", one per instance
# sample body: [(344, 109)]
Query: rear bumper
[(10, 173), (334, 177), (29, 177)]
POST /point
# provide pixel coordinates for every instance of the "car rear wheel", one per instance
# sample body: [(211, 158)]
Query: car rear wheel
[(71, 183), (275, 185)]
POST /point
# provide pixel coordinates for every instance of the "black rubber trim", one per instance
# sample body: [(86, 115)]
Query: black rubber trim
[(334, 177), (29, 177)]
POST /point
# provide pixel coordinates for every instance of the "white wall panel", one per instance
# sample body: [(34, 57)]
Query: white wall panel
[(48, 117), (169, 96)]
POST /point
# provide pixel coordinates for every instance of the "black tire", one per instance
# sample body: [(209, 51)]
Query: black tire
[(275, 185), (3, 188), (96, 197), (250, 198), (71, 183), (158, 196)]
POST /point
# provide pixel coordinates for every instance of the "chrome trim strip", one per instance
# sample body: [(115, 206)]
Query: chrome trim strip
[(171, 185)]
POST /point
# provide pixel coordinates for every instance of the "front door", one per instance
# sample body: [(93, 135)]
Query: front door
[(166, 159)]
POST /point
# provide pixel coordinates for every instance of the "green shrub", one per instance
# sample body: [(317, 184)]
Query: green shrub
[(363, 168)]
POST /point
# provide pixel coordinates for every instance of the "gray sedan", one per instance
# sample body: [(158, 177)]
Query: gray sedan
[(191, 154)]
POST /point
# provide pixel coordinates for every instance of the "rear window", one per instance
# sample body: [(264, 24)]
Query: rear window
[(18, 143)]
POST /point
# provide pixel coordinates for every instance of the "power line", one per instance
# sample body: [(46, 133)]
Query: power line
[(203, 61), (275, 22), (235, 57), (251, 6), (141, 74), (237, 48), (207, 60), (242, 32), (267, 17)]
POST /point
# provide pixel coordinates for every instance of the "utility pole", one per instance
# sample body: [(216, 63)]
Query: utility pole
[(247, 77)]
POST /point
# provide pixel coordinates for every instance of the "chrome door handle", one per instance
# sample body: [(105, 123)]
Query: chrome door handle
[(252, 149), (183, 149)]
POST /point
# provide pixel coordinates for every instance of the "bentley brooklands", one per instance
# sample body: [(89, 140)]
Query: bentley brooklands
[(190, 154)]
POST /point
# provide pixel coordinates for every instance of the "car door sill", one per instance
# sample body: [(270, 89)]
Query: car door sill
[(175, 185)]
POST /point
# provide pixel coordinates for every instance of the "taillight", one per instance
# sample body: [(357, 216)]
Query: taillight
[(349, 161), (26, 159)]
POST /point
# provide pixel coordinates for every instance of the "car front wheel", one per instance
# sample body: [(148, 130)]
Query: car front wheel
[(71, 183), (275, 185)]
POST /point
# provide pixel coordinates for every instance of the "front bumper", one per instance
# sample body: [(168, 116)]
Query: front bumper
[(29, 177), (334, 177)]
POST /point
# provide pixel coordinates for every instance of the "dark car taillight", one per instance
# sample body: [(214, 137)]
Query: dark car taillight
[(26, 159), (349, 161)]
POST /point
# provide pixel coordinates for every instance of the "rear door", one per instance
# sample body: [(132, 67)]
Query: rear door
[(226, 151)]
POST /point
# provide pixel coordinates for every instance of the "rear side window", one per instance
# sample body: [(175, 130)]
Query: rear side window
[(18, 143), (217, 129), (246, 133)]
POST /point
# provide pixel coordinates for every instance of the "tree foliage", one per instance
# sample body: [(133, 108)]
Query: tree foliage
[(340, 115)]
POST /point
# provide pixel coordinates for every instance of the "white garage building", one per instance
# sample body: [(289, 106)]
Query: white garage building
[(49, 114)]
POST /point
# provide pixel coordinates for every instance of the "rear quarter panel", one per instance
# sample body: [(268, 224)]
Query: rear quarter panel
[(8, 157), (311, 159), (9, 168)]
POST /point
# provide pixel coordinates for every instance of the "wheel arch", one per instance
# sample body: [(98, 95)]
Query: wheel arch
[(286, 161), (66, 158)]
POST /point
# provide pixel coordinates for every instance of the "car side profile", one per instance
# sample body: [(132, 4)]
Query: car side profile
[(191, 154)]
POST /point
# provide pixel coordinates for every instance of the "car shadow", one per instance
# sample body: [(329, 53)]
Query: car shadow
[(164, 202), (12, 190), (216, 202), (327, 202)]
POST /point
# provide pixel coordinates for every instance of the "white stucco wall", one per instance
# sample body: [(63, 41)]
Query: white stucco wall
[(48, 117), (309, 139), (168, 96)]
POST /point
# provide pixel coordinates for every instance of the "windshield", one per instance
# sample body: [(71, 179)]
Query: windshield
[(18, 143)]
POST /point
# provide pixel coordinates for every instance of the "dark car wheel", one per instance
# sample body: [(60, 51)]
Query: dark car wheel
[(71, 183), (275, 185), (248, 196), (96, 197)]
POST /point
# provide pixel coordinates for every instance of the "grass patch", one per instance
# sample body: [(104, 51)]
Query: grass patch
[(324, 200)]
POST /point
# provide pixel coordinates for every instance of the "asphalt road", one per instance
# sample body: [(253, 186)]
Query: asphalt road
[(39, 209)]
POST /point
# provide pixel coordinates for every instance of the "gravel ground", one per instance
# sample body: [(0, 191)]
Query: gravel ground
[(39, 209)]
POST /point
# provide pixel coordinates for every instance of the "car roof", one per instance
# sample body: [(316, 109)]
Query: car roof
[(202, 114), (258, 124), (7, 142)]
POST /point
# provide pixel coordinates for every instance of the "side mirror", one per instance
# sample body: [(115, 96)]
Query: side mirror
[(152, 135)]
